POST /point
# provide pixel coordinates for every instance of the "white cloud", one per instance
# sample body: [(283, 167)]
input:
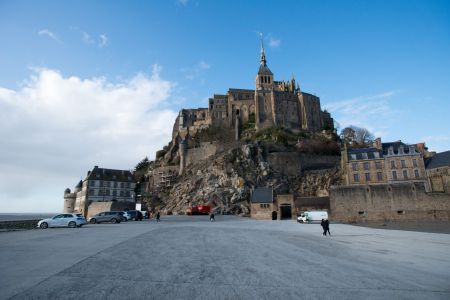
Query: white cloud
[(87, 38), (103, 41), (273, 42), (56, 128), (195, 72), (49, 34), (183, 2), (438, 143), (373, 112), (203, 65)]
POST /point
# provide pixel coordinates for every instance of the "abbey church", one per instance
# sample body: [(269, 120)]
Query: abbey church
[(271, 103)]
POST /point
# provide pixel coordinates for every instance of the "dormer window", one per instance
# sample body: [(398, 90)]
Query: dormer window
[(391, 150), (364, 155), (401, 150), (376, 155), (412, 149)]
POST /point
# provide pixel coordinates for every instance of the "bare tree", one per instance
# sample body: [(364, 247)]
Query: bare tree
[(357, 136)]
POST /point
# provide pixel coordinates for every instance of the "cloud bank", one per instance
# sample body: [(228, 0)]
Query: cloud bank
[(55, 128)]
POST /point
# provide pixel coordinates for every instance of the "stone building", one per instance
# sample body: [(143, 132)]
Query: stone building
[(383, 163), (100, 185), (270, 103), (264, 206), (438, 172)]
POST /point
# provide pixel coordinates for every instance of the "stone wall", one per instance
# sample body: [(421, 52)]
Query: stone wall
[(293, 163), (96, 207), (205, 150), (259, 211), (303, 204), (388, 202)]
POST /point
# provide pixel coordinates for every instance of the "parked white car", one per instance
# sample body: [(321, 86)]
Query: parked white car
[(126, 216), (63, 220)]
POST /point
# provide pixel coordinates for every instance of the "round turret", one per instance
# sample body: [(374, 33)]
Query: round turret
[(67, 191)]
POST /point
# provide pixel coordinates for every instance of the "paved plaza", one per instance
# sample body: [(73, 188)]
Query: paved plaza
[(188, 257)]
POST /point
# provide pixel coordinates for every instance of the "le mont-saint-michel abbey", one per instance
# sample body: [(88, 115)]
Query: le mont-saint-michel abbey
[(271, 152)]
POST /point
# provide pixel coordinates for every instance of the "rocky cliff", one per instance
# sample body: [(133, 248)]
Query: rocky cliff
[(226, 179)]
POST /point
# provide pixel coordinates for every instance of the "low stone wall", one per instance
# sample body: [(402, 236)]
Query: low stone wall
[(18, 225), (204, 151), (388, 202)]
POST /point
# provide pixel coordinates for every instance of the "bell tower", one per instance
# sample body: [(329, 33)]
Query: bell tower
[(264, 78), (264, 94)]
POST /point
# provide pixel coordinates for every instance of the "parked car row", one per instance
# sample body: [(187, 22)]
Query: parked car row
[(78, 220)]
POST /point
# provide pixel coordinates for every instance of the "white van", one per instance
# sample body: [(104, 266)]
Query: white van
[(312, 216)]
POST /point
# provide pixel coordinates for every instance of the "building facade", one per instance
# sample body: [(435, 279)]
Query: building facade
[(438, 172), (384, 163), (100, 185)]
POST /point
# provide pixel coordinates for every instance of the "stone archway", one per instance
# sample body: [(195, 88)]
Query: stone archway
[(285, 211)]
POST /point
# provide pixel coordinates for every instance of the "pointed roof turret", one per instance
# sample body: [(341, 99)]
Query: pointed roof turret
[(263, 69)]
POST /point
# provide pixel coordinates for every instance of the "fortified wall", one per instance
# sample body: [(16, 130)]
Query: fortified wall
[(388, 202)]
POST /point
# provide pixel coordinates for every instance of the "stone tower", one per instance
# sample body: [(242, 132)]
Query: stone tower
[(264, 94), (69, 201)]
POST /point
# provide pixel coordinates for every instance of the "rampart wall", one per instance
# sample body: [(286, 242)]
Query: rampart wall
[(388, 202)]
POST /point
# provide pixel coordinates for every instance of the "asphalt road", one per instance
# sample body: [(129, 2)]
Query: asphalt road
[(186, 257)]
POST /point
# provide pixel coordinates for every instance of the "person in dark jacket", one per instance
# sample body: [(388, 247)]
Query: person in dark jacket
[(211, 217), (327, 227), (324, 226), (157, 216)]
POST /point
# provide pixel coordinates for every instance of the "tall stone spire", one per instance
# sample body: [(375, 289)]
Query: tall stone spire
[(263, 55)]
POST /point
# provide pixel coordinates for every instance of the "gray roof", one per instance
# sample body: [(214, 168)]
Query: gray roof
[(439, 160), (264, 70), (110, 175), (359, 153), (262, 195)]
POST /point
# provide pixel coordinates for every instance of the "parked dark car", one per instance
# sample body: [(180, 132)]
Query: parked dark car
[(136, 215), (107, 216)]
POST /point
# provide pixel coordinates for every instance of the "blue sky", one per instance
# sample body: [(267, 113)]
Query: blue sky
[(86, 83)]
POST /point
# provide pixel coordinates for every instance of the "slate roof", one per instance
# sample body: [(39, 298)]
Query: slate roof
[(262, 195), (264, 70), (110, 175), (395, 146), (439, 160), (359, 153)]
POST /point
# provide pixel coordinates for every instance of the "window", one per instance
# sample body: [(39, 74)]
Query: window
[(93, 183), (353, 156), (107, 192), (355, 177), (403, 164), (355, 167), (364, 155), (379, 176), (121, 185), (367, 176), (415, 163), (378, 165), (392, 164), (114, 193), (115, 184), (264, 205), (127, 185), (416, 173), (121, 193), (394, 175), (91, 192), (376, 155), (405, 174), (366, 166)]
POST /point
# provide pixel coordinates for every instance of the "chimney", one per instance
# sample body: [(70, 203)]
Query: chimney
[(377, 143)]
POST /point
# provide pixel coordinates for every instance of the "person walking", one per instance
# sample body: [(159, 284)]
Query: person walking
[(324, 226), (327, 227), (157, 216), (211, 217)]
